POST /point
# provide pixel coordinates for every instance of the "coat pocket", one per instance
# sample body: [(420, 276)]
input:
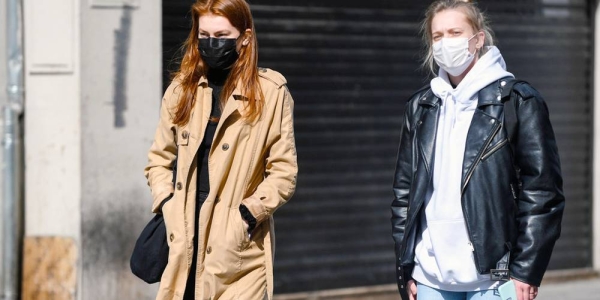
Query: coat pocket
[(243, 236)]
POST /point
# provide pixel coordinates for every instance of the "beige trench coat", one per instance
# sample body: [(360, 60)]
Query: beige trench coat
[(254, 164)]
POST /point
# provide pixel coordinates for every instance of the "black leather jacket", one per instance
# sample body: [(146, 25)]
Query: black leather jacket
[(512, 200)]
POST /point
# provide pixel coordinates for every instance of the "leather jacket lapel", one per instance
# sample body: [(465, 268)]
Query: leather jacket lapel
[(486, 123), (427, 129)]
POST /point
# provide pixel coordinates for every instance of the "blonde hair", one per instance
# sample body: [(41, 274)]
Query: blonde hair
[(475, 18)]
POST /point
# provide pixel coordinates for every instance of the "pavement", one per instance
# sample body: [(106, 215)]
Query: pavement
[(558, 288), (584, 289)]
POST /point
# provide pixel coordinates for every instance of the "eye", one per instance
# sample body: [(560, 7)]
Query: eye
[(457, 33), (437, 37), (202, 35)]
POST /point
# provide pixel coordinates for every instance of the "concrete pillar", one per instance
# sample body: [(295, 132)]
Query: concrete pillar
[(93, 78), (52, 133), (121, 89)]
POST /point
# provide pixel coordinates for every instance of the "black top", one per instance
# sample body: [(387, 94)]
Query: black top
[(216, 80)]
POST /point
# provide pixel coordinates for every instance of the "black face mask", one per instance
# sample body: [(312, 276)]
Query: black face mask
[(218, 53)]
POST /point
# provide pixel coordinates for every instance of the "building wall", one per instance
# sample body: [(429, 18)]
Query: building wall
[(52, 122), (120, 97), (93, 83)]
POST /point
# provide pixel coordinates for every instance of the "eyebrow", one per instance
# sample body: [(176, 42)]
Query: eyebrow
[(216, 33), (449, 29)]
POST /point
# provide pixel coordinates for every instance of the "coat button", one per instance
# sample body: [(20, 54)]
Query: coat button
[(502, 83), (171, 237), (208, 250), (225, 147), (179, 186), (400, 277), (499, 98), (184, 134), (401, 286)]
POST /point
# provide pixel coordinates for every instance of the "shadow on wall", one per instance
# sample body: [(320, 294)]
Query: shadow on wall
[(122, 41), (110, 229)]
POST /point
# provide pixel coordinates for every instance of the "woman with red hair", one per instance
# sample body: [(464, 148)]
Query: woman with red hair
[(226, 135)]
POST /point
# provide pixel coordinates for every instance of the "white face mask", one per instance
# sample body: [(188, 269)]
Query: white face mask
[(452, 54)]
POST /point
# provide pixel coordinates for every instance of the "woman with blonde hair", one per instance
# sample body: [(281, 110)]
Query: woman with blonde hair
[(226, 136), (476, 203)]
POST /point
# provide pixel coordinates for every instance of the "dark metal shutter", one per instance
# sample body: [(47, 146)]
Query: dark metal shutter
[(176, 23), (549, 44), (351, 65)]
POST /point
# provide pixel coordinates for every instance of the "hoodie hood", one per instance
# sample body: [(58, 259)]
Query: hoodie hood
[(489, 68)]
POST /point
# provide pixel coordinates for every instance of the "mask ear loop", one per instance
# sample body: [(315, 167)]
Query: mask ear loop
[(476, 49)]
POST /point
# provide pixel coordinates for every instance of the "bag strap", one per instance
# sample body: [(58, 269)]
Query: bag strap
[(511, 121)]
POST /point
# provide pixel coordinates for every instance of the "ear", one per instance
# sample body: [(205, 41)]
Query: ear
[(247, 36), (480, 40)]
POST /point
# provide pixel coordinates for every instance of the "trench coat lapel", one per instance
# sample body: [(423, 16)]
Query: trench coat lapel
[(199, 118), (235, 103)]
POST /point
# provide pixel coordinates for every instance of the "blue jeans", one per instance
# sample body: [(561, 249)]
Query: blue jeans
[(428, 293)]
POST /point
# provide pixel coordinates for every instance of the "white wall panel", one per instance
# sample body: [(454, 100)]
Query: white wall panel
[(50, 39)]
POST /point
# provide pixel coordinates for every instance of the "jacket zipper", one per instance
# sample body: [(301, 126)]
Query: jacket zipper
[(463, 190), (489, 153), (479, 159)]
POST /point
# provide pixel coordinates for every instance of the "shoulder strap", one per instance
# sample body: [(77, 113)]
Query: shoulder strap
[(511, 120)]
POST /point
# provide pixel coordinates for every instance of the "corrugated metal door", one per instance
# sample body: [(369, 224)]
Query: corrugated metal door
[(351, 65), (549, 43)]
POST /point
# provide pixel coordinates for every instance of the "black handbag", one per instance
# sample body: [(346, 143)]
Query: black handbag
[(151, 252)]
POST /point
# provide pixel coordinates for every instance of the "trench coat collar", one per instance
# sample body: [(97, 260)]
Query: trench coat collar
[(201, 114), (236, 101)]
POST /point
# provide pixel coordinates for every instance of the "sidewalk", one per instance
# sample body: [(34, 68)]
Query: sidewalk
[(585, 289), (558, 285)]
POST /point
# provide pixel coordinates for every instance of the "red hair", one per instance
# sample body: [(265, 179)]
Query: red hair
[(244, 71)]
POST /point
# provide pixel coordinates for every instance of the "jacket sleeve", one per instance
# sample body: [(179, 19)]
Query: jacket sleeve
[(281, 167), (541, 200), (401, 186), (162, 154)]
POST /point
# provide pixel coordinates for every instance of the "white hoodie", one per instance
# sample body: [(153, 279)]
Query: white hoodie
[(444, 255)]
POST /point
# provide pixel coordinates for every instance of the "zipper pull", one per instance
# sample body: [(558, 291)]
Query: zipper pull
[(471, 246)]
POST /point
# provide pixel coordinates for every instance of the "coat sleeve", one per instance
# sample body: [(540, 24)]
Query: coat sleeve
[(541, 200), (401, 186), (281, 167), (162, 154)]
